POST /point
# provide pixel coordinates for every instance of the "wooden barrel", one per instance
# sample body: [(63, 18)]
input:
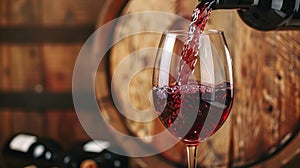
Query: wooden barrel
[(266, 111), (39, 43)]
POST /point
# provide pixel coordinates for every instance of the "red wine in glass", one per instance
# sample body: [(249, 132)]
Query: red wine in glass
[(177, 104)]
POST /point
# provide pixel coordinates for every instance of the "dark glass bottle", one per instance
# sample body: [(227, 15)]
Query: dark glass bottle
[(25, 149), (265, 14), (94, 154)]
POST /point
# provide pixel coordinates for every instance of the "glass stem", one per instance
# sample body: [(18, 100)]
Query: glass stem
[(192, 156)]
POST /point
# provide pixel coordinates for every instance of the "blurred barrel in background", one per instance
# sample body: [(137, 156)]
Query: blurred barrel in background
[(266, 111)]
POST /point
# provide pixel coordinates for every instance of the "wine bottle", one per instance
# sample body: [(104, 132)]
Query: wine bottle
[(94, 154), (24, 150), (265, 14)]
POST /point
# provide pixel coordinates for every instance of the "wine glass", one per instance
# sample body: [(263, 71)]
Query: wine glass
[(192, 95)]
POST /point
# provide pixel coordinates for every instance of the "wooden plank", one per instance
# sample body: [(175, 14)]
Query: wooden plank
[(28, 122), (4, 67), (70, 12), (25, 68), (3, 12), (23, 12), (59, 62)]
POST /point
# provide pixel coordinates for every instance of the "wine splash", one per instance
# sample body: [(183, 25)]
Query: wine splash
[(199, 19)]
